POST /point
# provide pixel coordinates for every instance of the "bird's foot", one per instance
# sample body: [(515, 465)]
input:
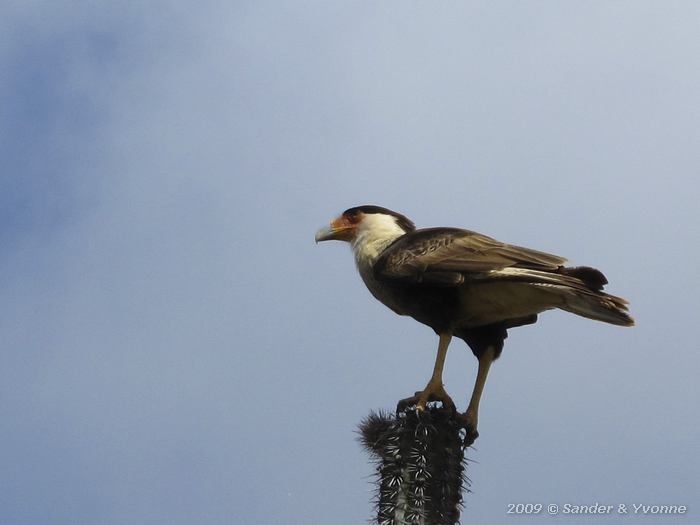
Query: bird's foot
[(433, 392), (468, 421)]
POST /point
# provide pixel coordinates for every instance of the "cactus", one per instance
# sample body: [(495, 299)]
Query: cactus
[(420, 462)]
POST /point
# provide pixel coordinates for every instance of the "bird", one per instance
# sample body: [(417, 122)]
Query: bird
[(466, 285)]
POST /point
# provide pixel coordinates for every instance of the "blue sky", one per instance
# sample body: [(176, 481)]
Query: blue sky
[(177, 350)]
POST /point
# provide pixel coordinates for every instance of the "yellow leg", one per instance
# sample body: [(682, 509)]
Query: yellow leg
[(434, 391), (471, 416), (436, 378)]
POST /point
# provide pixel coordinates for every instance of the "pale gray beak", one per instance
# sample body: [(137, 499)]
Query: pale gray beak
[(325, 234)]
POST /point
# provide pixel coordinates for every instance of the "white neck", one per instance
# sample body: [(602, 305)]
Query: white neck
[(374, 234)]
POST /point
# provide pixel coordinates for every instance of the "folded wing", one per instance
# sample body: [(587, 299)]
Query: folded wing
[(446, 256)]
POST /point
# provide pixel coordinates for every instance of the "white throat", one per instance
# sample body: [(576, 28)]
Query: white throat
[(374, 234)]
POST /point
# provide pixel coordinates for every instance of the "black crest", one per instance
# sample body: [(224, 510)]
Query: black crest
[(401, 220)]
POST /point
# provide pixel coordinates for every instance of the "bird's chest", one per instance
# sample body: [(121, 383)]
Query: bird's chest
[(385, 293), (433, 306)]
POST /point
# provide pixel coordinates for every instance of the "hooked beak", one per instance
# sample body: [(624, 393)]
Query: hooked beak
[(324, 234), (338, 230)]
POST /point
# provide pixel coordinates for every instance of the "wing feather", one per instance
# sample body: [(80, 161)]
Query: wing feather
[(443, 255)]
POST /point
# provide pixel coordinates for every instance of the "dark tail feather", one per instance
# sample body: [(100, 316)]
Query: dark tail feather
[(597, 305), (592, 278), (576, 290)]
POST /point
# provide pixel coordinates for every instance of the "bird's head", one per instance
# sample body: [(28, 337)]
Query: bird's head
[(373, 220)]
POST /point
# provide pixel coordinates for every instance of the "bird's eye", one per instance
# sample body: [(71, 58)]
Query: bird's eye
[(353, 217)]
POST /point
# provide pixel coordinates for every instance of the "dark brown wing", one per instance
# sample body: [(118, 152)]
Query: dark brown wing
[(444, 255)]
